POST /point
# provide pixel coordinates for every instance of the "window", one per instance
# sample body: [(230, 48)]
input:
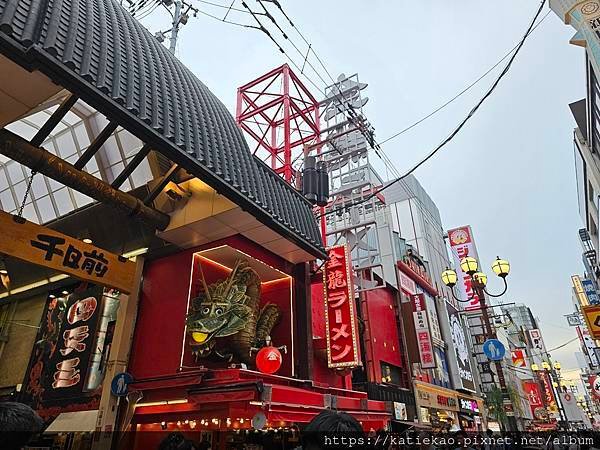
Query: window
[(390, 374), (49, 199), (593, 227)]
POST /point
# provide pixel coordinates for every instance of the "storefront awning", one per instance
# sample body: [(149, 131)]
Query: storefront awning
[(74, 422)]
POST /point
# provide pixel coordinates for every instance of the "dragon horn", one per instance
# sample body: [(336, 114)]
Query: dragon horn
[(232, 276), (204, 285)]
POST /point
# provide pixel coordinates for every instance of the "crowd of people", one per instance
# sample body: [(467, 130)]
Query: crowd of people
[(331, 430)]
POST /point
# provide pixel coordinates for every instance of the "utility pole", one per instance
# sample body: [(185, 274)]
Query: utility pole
[(180, 15), (490, 333), (175, 30)]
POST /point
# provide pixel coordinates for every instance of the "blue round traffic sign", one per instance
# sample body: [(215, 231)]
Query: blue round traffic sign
[(120, 384), (494, 349)]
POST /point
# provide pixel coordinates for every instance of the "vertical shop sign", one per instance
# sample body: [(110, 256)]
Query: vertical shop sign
[(461, 349), (536, 341), (549, 399), (587, 345), (61, 357), (590, 292), (423, 332), (462, 245), (340, 316), (534, 397), (594, 382), (579, 291), (406, 283)]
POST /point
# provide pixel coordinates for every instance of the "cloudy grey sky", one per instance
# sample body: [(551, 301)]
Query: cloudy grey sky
[(509, 173)]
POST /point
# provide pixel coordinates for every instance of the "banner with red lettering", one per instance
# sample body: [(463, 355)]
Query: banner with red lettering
[(56, 378), (534, 397), (548, 393), (340, 315), (424, 341), (462, 245)]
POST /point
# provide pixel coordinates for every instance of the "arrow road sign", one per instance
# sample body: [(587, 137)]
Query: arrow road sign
[(592, 318)]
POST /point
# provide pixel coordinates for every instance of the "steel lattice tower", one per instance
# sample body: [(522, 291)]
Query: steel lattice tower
[(280, 115)]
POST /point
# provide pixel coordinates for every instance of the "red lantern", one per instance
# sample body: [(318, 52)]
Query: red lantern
[(268, 360)]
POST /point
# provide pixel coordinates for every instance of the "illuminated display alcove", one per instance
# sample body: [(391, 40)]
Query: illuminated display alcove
[(270, 289)]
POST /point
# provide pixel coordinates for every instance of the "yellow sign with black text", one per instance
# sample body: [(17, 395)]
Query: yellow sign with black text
[(45, 247), (592, 318)]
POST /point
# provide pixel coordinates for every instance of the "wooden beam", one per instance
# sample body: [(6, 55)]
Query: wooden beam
[(53, 120), (44, 162), (129, 168), (95, 146)]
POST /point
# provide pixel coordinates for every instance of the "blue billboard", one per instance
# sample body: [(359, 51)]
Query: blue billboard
[(590, 292)]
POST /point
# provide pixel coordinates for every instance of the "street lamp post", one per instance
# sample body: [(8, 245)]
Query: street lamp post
[(501, 268)]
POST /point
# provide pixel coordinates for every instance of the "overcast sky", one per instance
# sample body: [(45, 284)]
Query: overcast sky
[(509, 173)]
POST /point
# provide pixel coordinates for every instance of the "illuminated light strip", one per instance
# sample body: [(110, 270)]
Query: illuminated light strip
[(239, 251), (137, 252), (34, 285), (212, 261), (437, 389), (161, 403), (187, 308)]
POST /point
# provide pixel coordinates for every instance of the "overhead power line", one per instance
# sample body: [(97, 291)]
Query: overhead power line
[(460, 125), (465, 90)]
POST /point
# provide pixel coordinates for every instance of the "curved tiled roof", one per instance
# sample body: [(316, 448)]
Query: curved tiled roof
[(97, 50)]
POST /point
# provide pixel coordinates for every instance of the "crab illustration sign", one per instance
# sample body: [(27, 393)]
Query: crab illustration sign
[(340, 317)]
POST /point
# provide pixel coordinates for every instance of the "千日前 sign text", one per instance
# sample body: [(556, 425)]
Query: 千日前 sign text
[(45, 247)]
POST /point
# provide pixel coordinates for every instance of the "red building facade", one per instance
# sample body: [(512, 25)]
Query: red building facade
[(181, 392)]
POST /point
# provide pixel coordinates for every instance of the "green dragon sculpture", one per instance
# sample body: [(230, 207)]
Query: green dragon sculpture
[(231, 308)]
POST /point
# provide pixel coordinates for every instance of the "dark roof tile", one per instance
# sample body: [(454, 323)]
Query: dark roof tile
[(97, 50)]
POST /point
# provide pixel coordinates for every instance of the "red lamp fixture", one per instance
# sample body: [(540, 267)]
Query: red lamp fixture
[(268, 359)]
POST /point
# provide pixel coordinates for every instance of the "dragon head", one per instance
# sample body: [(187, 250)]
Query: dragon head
[(220, 310)]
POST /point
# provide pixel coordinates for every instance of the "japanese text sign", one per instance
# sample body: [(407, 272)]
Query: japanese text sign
[(423, 333), (534, 396), (590, 292), (462, 245), (45, 247), (340, 317), (60, 363), (549, 399)]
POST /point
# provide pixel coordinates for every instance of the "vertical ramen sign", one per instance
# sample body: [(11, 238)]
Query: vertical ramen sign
[(340, 317)]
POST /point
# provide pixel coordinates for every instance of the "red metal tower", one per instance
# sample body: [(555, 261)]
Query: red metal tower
[(281, 115)]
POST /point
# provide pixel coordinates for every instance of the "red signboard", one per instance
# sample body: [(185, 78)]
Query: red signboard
[(594, 381), (340, 317), (423, 332), (518, 358), (549, 399), (462, 245), (534, 397)]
